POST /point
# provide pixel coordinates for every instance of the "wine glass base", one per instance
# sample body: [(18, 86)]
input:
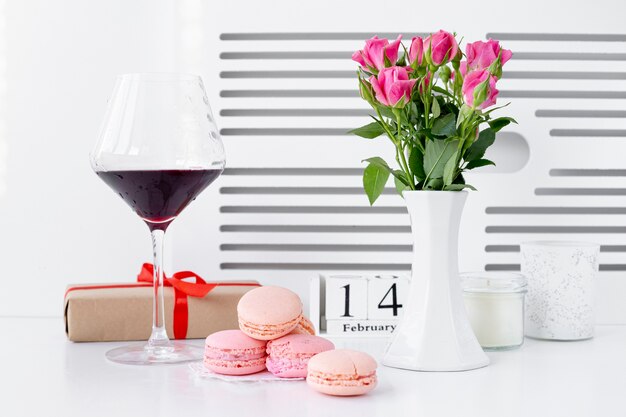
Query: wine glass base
[(137, 354)]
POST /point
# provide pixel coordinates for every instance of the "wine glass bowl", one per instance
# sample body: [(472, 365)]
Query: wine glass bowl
[(159, 148)]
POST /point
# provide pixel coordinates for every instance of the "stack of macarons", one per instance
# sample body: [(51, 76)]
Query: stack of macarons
[(274, 335)]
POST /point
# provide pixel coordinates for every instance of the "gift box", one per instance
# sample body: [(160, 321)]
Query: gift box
[(122, 312)]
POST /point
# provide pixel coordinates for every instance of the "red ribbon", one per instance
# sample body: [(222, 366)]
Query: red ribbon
[(182, 289)]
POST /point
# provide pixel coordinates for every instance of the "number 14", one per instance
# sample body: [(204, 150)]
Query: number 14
[(394, 300)]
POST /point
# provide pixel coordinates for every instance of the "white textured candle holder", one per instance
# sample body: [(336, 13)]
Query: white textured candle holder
[(561, 289)]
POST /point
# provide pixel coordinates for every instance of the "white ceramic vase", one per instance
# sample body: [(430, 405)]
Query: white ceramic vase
[(435, 334)]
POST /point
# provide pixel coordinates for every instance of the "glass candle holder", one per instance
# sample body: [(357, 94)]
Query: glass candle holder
[(495, 306), (561, 288)]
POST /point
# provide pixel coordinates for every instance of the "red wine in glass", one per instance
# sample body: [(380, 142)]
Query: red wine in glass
[(158, 196), (158, 149)]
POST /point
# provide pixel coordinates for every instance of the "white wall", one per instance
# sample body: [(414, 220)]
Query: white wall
[(61, 225)]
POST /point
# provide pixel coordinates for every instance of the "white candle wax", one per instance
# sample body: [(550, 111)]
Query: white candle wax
[(496, 318)]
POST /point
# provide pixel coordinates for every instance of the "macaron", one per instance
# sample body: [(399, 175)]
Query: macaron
[(267, 313), (305, 326), (231, 352), (289, 355), (342, 372)]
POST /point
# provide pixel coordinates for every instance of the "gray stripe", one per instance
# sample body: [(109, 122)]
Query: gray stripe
[(613, 248), (354, 93), (271, 228), (516, 248), (287, 55), (562, 94), (293, 171), (290, 93), (316, 266), (581, 113), (612, 267), (584, 37), (294, 112), (521, 75), (313, 209), (555, 210), (299, 190), (285, 131), (502, 248), (516, 267), (555, 229), (562, 75), (581, 191), (502, 267), (588, 172), (312, 36), (534, 56), (598, 133), (570, 56), (288, 74), (315, 248)]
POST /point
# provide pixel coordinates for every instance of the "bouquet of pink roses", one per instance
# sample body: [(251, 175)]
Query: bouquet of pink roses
[(430, 101)]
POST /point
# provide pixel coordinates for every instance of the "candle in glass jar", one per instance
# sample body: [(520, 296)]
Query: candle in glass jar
[(495, 306)]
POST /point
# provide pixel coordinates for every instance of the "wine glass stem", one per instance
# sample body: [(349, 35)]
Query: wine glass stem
[(158, 338)]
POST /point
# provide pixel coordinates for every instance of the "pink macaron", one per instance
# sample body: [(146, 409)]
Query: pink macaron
[(267, 313), (289, 355), (231, 352), (342, 372)]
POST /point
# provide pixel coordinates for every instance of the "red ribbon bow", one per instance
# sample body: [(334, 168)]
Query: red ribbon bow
[(199, 288)]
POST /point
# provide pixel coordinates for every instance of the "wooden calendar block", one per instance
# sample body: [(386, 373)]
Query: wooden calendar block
[(387, 296), (346, 297)]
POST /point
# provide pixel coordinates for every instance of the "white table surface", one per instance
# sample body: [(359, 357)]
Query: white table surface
[(42, 374)]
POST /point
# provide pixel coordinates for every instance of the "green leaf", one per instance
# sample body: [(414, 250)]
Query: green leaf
[(458, 187), (437, 154), (434, 184), (416, 163), (385, 111), (400, 176), (488, 112), (369, 131), (463, 114), (478, 148), (450, 169), (497, 124), (400, 186), (436, 109), (479, 163), (374, 179), (377, 160), (444, 126)]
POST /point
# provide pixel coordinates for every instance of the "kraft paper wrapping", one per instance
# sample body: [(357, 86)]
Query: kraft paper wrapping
[(122, 314)]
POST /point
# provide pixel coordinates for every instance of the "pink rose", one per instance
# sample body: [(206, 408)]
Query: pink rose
[(477, 91), (392, 86), (375, 51), (480, 55), (441, 47), (416, 52), (463, 68)]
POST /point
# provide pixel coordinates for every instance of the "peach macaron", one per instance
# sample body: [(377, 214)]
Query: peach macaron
[(288, 356), (342, 372), (267, 313), (231, 352), (305, 326)]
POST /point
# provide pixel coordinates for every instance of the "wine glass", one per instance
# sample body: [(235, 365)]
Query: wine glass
[(159, 148)]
